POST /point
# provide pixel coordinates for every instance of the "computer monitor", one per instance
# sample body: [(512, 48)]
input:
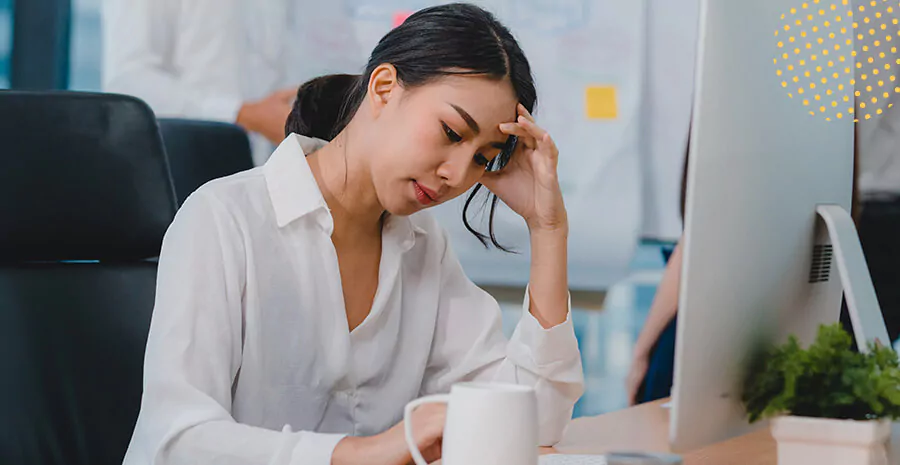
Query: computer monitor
[(768, 237)]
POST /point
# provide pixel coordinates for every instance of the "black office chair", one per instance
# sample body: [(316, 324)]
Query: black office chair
[(85, 198), (200, 151)]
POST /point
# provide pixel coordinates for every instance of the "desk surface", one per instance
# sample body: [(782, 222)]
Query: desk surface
[(646, 428)]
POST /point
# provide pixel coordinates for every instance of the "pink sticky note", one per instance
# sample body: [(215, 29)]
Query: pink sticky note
[(400, 17)]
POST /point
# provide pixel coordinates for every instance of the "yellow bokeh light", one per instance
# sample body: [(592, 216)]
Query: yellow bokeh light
[(818, 97), (857, 93), (840, 116), (879, 111), (818, 69), (829, 92), (868, 88), (834, 104), (862, 104), (846, 98), (806, 103)]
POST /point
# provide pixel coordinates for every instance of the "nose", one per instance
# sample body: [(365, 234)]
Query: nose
[(456, 170)]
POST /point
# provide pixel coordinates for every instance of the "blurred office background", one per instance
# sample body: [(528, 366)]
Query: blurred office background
[(615, 82)]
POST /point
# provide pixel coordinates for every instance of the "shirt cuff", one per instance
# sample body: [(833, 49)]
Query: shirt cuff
[(544, 349), (221, 109), (315, 448)]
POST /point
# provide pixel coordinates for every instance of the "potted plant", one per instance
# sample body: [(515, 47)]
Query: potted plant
[(829, 404)]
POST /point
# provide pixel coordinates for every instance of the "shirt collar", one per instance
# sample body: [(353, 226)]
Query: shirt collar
[(295, 193), (292, 187)]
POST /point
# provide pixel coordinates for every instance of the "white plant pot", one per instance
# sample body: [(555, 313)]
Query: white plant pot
[(823, 441)]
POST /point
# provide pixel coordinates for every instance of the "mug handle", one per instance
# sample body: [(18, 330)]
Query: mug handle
[(408, 427)]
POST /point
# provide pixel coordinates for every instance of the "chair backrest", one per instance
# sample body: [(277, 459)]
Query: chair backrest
[(85, 199), (200, 151)]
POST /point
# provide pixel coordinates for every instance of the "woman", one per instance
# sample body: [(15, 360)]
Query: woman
[(311, 295)]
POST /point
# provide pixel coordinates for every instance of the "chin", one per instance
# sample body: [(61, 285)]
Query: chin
[(403, 209)]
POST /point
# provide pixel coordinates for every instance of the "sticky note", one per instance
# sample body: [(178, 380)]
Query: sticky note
[(400, 17), (600, 102)]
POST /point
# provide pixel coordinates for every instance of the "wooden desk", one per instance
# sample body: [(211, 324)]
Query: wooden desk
[(646, 428)]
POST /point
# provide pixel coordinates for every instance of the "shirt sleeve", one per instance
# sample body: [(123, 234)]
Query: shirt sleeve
[(194, 355), (180, 56), (469, 346)]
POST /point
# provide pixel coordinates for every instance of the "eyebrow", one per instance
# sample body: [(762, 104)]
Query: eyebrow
[(468, 119), (473, 125)]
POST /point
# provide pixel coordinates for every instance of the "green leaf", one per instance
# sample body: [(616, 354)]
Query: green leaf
[(828, 379)]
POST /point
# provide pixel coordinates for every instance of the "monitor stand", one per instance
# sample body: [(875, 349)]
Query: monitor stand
[(862, 304)]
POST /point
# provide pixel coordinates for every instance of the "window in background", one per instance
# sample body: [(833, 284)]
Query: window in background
[(85, 50), (6, 25)]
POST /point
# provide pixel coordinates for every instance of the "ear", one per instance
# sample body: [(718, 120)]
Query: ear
[(383, 84)]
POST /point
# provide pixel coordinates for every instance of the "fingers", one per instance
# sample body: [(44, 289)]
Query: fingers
[(516, 129), (524, 112)]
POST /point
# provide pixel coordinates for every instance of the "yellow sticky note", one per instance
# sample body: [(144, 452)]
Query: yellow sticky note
[(600, 102)]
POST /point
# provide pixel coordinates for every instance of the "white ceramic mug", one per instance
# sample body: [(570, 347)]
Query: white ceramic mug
[(487, 424)]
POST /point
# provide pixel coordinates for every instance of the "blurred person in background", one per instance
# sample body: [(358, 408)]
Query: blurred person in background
[(218, 60)]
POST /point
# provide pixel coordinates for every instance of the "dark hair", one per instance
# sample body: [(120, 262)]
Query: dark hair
[(439, 41)]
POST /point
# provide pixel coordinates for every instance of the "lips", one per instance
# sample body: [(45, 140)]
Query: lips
[(424, 195)]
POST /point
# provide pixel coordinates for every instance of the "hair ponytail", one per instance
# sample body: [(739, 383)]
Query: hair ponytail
[(319, 107)]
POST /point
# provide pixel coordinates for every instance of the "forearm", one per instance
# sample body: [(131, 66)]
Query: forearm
[(548, 285), (664, 307)]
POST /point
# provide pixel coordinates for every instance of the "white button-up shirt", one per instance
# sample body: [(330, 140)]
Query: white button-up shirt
[(250, 333), (201, 59)]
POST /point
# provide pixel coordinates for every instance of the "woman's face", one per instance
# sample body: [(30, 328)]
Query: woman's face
[(431, 143)]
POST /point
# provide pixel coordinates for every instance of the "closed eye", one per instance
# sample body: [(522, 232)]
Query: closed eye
[(451, 134)]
